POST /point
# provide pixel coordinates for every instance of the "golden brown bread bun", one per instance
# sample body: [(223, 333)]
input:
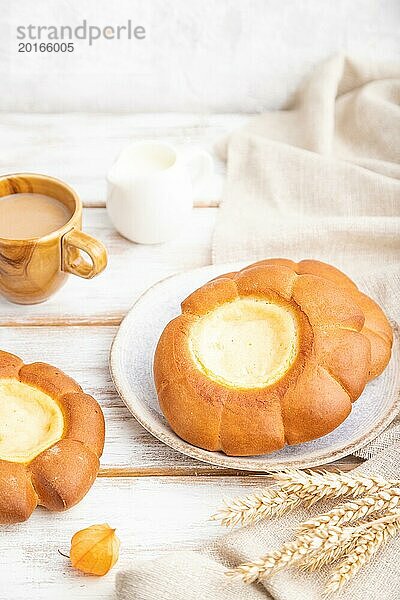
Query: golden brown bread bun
[(271, 355), (51, 439)]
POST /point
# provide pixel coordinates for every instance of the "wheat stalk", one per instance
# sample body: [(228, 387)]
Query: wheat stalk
[(320, 546), (294, 488), (321, 542), (364, 547), (386, 500), (250, 509), (269, 564), (324, 484)]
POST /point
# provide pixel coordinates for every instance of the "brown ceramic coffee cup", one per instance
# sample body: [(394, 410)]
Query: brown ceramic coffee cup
[(31, 270)]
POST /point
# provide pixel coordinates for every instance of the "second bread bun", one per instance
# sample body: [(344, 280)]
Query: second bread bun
[(51, 439)]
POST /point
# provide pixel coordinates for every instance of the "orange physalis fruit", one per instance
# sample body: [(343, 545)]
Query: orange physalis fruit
[(95, 550)]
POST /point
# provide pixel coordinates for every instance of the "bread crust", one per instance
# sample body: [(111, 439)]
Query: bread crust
[(61, 475), (344, 341)]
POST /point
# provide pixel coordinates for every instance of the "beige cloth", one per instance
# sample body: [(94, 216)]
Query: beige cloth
[(319, 180)]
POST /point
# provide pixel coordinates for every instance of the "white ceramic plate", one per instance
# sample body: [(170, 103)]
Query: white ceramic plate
[(131, 363)]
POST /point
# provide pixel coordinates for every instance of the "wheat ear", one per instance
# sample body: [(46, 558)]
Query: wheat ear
[(250, 509), (327, 541), (325, 484), (364, 547), (269, 564), (387, 500), (294, 488)]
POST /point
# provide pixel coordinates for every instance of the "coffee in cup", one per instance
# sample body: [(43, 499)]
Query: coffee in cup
[(25, 216)]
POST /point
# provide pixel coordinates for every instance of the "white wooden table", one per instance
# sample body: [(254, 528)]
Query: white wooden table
[(156, 498)]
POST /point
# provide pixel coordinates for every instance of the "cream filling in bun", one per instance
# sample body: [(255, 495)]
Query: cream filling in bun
[(246, 343), (30, 421)]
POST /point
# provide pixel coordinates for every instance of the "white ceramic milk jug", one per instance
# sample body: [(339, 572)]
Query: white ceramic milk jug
[(150, 190)]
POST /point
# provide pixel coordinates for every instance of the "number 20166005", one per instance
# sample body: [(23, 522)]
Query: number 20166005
[(46, 47)]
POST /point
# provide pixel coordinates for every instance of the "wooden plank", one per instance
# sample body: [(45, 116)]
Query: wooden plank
[(83, 354), (346, 464), (132, 268), (80, 148), (152, 516)]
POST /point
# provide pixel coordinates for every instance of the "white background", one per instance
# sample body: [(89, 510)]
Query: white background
[(199, 55)]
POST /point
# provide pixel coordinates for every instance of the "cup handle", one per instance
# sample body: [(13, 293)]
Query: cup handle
[(72, 262)]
